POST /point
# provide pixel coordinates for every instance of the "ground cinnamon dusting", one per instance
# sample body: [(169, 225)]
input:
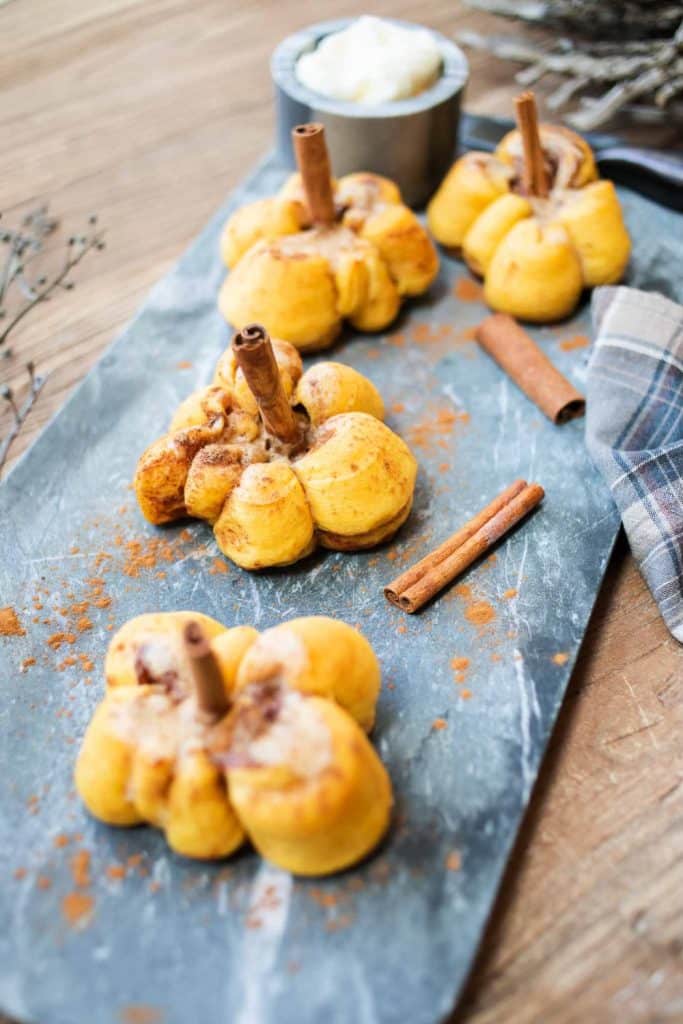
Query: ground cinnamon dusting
[(184, 364), (57, 639), (469, 333), (115, 871), (10, 624), (435, 429), (480, 613), (561, 658), (439, 723), (453, 861), (80, 869), (60, 841), (460, 664), (77, 908), (468, 290), (512, 592), (139, 1013), (218, 567), (578, 341), (26, 664), (398, 407), (43, 882)]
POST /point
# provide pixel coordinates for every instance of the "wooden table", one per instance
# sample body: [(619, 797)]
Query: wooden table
[(148, 112)]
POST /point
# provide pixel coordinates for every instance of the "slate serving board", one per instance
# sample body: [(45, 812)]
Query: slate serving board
[(107, 926)]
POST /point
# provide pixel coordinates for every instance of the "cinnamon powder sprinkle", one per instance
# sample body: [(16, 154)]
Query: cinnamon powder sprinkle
[(26, 664), (77, 908), (561, 658), (480, 613), (512, 592), (468, 290), (60, 841), (439, 723), (140, 1014), (578, 341), (460, 664), (10, 624), (218, 567), (453, 861), (57, 639), (115, 871), (43, 882), (80, 869), (184, 364)]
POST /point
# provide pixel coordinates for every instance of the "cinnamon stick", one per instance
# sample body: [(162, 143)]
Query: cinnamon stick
[(208, 681), (534, 174), (529, 367), (310, 150), (414, 588), (255, 358)]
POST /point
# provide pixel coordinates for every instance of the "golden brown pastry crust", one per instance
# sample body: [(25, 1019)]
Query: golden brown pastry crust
[(536, 255)]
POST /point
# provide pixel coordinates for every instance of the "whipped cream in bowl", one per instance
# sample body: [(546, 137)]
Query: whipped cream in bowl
[(387, 91), (372, 61)]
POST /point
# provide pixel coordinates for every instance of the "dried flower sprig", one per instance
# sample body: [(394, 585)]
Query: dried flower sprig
[(622, 71), (19, 412), (23, 246)]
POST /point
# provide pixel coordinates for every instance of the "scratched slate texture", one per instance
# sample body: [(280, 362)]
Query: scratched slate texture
[(243, 943)]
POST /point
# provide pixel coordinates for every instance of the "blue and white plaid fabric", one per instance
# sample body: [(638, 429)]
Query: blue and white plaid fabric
[(634, 430)]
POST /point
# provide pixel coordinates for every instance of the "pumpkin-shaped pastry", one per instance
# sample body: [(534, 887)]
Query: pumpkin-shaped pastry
[(278, 460), (323, 251), (533, 219), (217, 735)]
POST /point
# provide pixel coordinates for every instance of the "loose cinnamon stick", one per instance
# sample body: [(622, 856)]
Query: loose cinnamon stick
[(436, 571), (531, 370), (255, 358), (310, 150), (417, 571), (208, 682), (534, 174)]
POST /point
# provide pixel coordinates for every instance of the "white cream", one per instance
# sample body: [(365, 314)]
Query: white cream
[(372, 61)]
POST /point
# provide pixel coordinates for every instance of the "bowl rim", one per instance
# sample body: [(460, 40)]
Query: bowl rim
[(453, 78)]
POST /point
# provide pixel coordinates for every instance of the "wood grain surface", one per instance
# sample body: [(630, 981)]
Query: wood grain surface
[(148, 112)]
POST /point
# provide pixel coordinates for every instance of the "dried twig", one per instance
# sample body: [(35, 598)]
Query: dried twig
[(642, 69), (43, 287), (19, 412), (620, 19), (22, 247)]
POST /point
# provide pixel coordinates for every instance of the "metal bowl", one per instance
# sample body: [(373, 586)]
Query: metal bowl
[(411, 141)]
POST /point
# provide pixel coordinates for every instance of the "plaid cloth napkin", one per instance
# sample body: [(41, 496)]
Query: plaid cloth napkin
[(634, 430)]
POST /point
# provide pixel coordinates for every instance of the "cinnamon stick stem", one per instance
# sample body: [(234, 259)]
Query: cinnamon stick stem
[(255, 358), (508, 343), (208, 681), (435, 572), (534, 175), (312, 158)]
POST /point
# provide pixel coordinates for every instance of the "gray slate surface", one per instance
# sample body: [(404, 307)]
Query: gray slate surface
[(391, 941)]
